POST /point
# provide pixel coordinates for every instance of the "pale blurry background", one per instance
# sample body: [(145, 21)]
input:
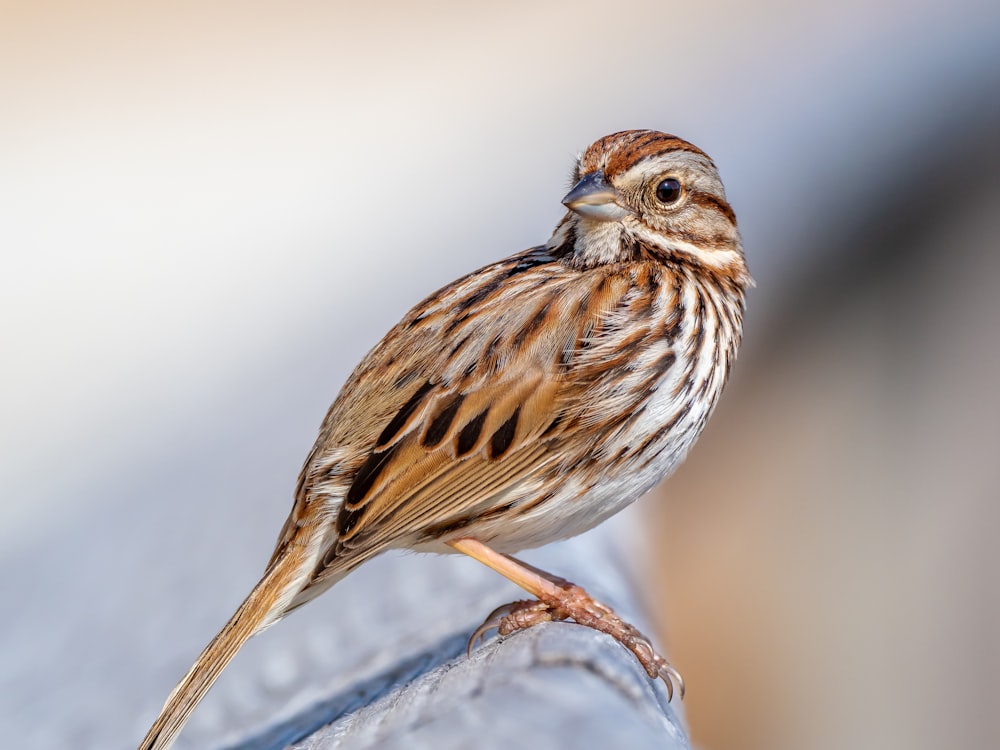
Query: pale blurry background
[(209, 211)]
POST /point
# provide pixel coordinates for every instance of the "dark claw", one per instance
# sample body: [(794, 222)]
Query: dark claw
[(669, 675), (654, 664), (493, 620)]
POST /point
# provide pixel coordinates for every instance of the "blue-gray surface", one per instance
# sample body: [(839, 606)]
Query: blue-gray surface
[(553, 686), (93, 655)]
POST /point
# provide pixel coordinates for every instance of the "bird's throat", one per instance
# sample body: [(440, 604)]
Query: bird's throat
[(598, 242)]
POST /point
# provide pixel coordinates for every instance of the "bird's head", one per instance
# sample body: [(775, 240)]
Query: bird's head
[(641, 191)]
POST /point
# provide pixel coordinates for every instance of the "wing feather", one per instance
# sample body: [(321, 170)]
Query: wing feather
[(424, 479)]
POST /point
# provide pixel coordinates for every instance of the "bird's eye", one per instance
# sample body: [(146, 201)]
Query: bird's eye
[(668, 191)]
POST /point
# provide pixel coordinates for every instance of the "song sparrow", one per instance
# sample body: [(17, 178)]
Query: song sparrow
[(523, 403)]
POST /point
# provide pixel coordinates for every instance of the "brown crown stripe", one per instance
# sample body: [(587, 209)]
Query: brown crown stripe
[(633, 147), (609, 143)]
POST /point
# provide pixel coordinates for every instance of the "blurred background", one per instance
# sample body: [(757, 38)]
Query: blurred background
[(209, 211)]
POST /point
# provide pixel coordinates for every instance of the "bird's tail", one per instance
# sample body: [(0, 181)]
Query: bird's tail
[(265, 605)]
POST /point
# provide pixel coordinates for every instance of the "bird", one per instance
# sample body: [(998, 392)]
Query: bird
[(523, 403)]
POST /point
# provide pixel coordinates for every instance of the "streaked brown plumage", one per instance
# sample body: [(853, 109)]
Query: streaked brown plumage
[(523, 403)]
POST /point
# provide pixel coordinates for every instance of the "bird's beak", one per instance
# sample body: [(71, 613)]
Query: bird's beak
[(594, 198)]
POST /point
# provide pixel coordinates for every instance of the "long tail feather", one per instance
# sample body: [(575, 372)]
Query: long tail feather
[(266, 604)]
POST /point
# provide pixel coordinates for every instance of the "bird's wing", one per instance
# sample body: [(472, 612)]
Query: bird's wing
[(450, 457)]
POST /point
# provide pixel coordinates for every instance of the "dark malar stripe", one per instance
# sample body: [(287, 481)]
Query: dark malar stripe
[(631, 250)]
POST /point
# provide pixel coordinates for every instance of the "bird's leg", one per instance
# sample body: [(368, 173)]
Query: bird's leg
[(558, 599)]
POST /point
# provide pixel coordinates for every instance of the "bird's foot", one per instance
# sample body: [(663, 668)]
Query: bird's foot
[(573, 603)]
